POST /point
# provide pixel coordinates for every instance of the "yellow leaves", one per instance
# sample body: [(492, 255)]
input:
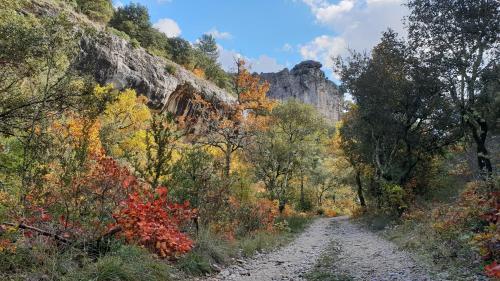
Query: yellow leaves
[(103, 92), (125, 122)]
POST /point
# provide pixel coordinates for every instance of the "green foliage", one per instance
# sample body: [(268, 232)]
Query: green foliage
[(180, 50), (208, 46), (171, 69), (283, 151), (394, 197), (296, 224), (193, 178), (127, 263), (99, 10), (36, 52), (194, 264)]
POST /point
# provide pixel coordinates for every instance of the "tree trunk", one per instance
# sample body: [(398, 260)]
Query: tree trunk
[(281, 205), (227, 164), (360, 189), (302, 196), (479, 134)]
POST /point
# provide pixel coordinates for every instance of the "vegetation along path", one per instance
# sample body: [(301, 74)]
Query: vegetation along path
[(362, 255)]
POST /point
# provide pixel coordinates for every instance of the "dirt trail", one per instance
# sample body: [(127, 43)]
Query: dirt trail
[(362, 255)]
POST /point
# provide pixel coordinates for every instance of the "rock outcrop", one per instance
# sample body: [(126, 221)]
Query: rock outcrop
[(110, 59), (306, 82)]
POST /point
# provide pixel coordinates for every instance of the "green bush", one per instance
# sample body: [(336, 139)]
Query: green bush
[(171, 69), (296, 223), (124, 263), (99, 10), (209, 249), (194, 264)]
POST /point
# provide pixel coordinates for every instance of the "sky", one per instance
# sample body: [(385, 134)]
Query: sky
[(274, 34)]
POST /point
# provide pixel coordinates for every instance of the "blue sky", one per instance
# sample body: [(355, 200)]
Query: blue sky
[(273, 34)]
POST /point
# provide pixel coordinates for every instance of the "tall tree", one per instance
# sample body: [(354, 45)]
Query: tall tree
[(402, 115), (460, 38), (279, 153), (208, 46), (228, 127)]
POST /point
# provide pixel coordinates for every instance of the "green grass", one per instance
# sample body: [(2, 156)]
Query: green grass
[(453, 256), (325, 270), (42, 261), (127, 263)]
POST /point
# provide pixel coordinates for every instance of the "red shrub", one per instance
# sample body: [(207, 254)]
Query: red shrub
[(150, 221)]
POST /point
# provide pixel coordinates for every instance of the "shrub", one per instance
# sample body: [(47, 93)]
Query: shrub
[(150, 221), (100, 10), (171, 69), (124, 263)]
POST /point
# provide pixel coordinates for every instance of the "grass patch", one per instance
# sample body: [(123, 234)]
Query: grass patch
[(454, 257), (324, 270), (209, 251), (125, 263), (43, 261)]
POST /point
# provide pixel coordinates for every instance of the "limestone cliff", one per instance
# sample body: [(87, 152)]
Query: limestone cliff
[(110, 59), (306, 82)]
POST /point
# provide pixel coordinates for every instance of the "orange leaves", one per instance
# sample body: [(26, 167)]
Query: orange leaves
[(150, 221), (493, 269), (200, 73)]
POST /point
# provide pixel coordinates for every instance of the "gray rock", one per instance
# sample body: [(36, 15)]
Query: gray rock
[(306, 82), (110, 59)]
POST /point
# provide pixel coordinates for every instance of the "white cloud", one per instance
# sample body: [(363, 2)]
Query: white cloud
[(358, 25), (118, 4), (218, 34), (264, 63), (168, 26), (371, 2), (325, 12), (323, 49)]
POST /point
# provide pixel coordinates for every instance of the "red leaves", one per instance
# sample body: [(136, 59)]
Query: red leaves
[(493, 269), (155, 224)]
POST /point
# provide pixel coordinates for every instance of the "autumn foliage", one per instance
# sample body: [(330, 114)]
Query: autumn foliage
[(150, 221)]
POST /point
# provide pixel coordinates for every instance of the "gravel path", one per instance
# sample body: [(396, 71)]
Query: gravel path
[(361, 255), (288, 263)]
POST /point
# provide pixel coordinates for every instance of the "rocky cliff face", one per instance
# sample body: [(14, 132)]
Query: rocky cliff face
[(110, 59), (306, 82)]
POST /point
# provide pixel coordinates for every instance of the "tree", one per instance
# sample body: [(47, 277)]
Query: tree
[(162, 138), (124, 125), (134, 20), (400, 118), (208, 46), (278, 153), (459, 38), (100, 10), (194, 179), (228, 127), (180, 51)]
